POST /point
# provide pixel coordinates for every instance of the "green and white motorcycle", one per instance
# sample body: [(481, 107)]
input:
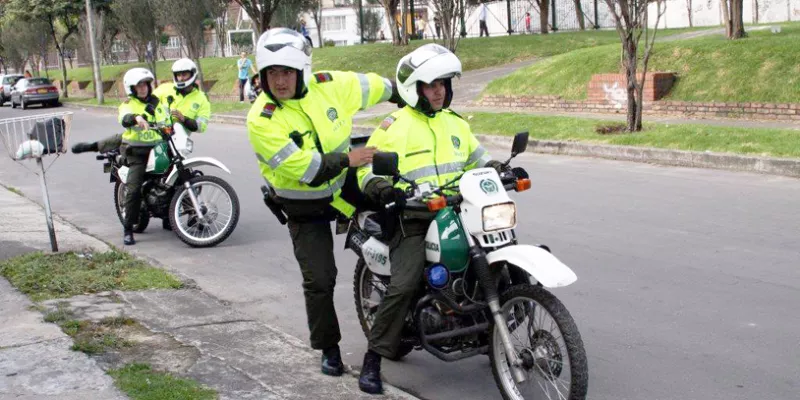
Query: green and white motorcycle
[(482, 292), (203, 210)]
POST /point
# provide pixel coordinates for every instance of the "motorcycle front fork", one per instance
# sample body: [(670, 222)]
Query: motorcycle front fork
[(187, 176), (478, 261)]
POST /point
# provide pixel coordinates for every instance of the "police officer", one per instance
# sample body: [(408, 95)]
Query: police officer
[(300, 129), (136, 114), (189, 106), (434, 145)]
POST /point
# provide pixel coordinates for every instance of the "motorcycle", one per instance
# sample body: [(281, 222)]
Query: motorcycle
[(203, 210), (482, 292)]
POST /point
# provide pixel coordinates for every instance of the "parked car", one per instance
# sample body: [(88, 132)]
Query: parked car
[(34, 91), (7, 83)]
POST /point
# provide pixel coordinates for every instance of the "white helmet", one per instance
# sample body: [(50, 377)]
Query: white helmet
[(134, 76), (426, 64), (287, 48), (184, 65)]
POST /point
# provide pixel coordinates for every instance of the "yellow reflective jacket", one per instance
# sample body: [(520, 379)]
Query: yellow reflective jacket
[(133, 135), (302, 145), (434, 150), (194, 105)]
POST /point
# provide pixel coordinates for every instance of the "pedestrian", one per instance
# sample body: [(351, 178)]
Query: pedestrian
[(528, 22), (28, 74), (421, 25), (383, 37), (483, 20), (244, 64), (437, 24), (304, 32)]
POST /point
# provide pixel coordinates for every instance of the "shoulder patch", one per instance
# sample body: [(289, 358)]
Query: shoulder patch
[(387, 122), (268, 110), (323, 77)]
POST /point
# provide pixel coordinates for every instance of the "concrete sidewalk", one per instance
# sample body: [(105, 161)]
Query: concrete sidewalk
[(211, 343)]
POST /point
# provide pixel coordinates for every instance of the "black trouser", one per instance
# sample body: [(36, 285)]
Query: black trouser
[(313, 249), (136, 160), (484, 29), (242, 82)]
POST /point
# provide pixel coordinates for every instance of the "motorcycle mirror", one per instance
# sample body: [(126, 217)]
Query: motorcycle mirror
[(385, 164), (520, 143)]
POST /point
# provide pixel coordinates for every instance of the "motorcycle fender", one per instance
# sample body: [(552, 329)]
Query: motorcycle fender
[(537, 262), (122, 173), (196, 162)]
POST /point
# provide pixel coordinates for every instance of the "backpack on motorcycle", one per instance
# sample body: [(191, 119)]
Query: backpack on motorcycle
[(50, 133)]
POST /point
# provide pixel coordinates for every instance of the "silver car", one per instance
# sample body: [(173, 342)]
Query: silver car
[(29, 91), (6, 84)]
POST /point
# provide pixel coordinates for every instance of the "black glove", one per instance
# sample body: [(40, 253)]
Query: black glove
[(520, 173), (394, 195), (396, 98)]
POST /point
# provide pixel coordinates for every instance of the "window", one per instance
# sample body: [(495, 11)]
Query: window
[(11, 80), (119, 46), (174, 42), (340, 43), (38, 81), (342, 3), (333, 23)]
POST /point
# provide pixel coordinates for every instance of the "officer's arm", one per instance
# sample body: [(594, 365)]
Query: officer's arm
[(362, 91), (478, 156), (126, 117), (284, 157), (203, 114)]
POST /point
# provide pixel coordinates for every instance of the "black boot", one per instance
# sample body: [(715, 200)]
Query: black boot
[(83, 147), (370, 379), (332, 362), (127, 238), (166, 224)]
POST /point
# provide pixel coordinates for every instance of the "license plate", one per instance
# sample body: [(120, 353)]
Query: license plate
[(42, 90)]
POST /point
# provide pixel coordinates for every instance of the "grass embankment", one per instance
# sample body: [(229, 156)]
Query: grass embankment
[(764, 67)]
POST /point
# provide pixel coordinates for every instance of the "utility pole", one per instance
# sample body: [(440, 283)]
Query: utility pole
[(98, 82)]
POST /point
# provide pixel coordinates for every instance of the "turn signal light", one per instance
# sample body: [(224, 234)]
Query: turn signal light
[(523, 184), (437, 204)]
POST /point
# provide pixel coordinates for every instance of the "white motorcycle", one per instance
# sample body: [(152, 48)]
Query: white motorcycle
[(483, 293), (203, 210)]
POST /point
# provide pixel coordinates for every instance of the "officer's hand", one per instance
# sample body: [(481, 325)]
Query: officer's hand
[(177, 114), (391, 195), (361, 156), (520, 173), (142, 123)]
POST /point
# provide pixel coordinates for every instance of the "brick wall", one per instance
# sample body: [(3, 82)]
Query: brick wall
[(609, 86), (762, 111)]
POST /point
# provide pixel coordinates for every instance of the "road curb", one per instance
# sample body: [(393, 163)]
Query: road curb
[(678, 158)]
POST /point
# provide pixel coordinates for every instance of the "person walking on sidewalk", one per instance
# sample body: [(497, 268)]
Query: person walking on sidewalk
[(244, 65), (482, 18), (300, 130)]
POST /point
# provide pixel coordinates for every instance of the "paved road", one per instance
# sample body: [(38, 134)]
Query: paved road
[(688, 279)]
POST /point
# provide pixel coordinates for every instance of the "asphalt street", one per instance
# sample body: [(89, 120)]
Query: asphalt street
[(688, 280)]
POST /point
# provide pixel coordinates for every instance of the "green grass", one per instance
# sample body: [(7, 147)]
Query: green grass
[(748, 141), (764, 67), (140, 382), (89, 337), (47, 276)]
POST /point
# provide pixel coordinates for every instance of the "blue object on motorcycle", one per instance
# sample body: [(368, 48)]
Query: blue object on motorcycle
[(437, 276)]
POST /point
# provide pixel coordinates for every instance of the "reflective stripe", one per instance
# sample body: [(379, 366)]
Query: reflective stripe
[(387, 90), (476, 155), (420, 173), (313, 168), (136, 143), (295, 194), (364, 90), (367, 177), (484, 159), (201, 120), (282, 155), (342, 147)]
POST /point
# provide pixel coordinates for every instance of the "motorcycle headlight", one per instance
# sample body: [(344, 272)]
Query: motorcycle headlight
[(499, 217)]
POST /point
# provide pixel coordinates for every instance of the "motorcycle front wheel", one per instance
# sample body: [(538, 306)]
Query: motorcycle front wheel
[(119, 204), (548, 343), (219, 205)]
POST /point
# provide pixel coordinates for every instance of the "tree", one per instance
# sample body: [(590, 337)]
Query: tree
[(190, 20), (450, 17), (62, 17), (735, 25), (631, 18), (390, 6), (544, 15), (220, 9), (139, 28), (580, 15), (690, 11), (289, 14), (261, 11), (372, 19), (23, 41), (316, 13)]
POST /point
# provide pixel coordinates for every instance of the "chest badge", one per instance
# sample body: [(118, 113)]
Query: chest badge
[(456, 142), (195, 106), (489, 187), (332, 114)]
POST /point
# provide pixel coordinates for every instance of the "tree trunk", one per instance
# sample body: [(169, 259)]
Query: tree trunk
[(579, 14), (630, 72), (689, 9), (403, 17), (726, 17), (737, 21), (544, 15)]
